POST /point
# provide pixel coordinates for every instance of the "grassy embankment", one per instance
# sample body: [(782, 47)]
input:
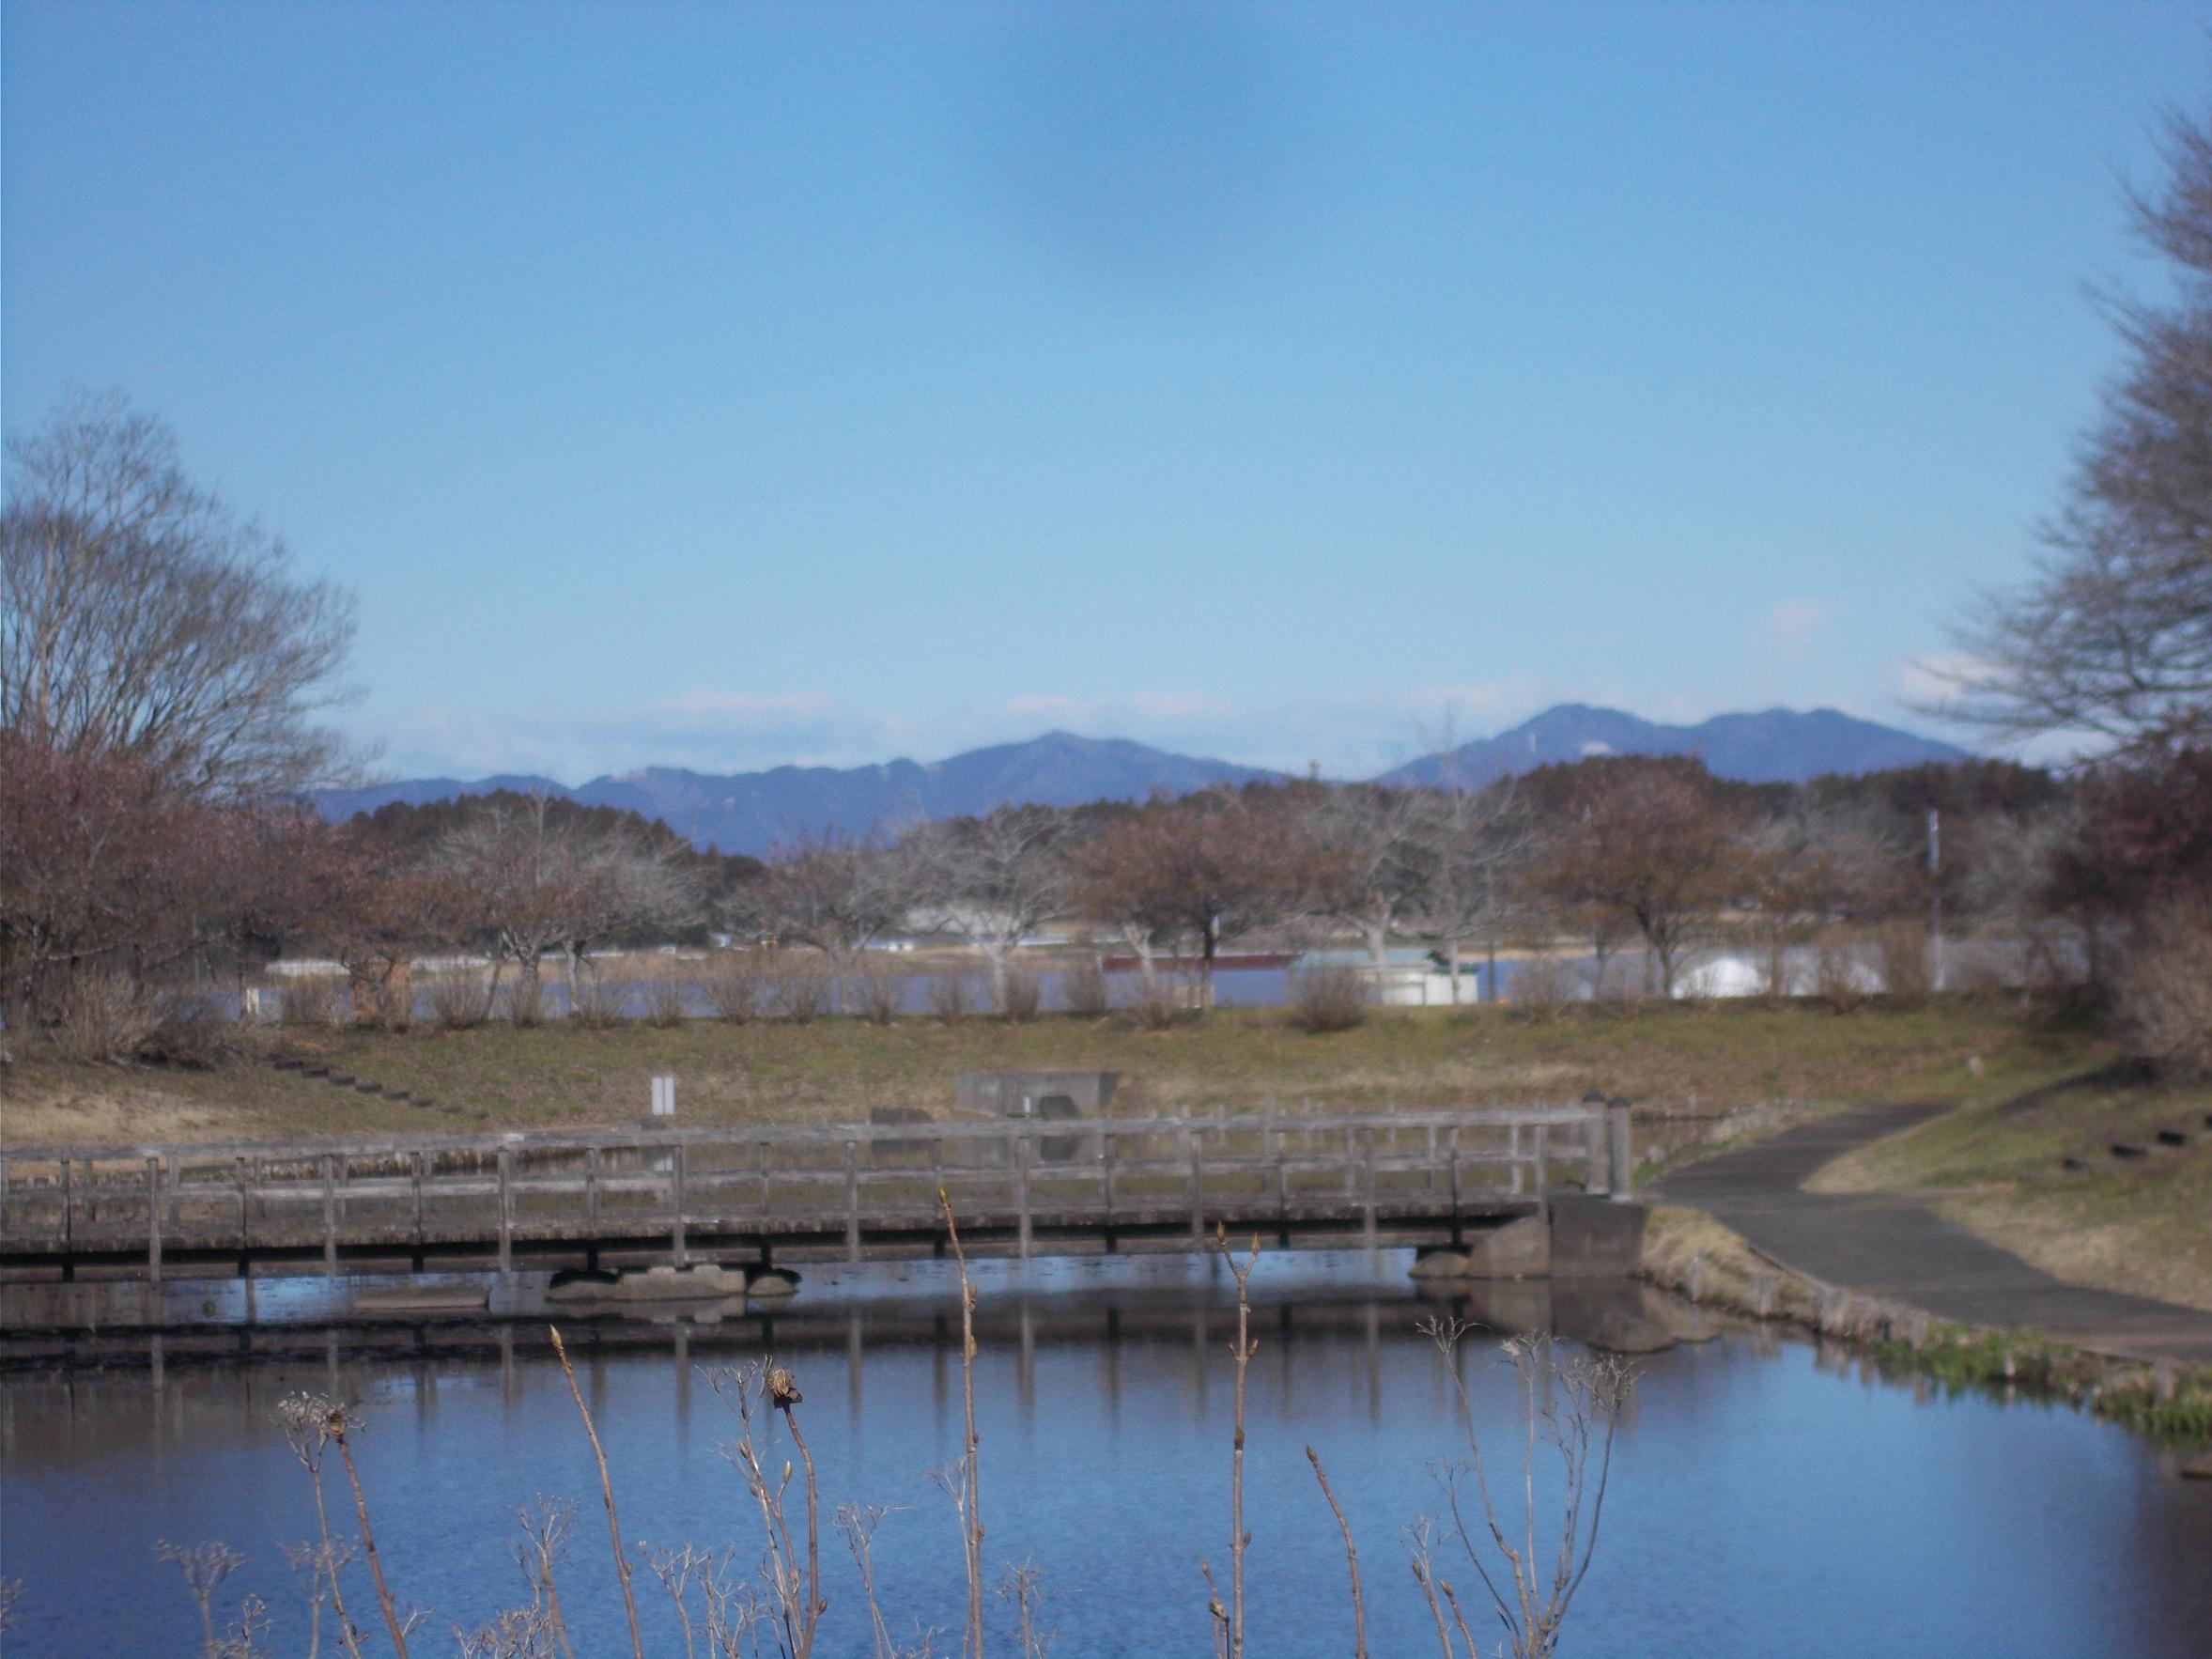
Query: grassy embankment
[(1235, 1059)]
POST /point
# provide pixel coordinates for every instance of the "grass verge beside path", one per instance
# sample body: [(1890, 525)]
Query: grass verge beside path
[(1994, 1166), (1235, 1059)]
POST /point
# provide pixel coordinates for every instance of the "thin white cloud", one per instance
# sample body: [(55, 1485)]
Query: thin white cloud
[(1792, 627)]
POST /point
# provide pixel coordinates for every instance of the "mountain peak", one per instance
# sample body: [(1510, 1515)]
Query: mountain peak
[(1773, 746)]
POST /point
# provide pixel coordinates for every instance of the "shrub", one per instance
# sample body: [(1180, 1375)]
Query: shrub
[(459, 998), (190, 1032), (801, 992), (1161, 1003), (1086, 991), (523, 1000), (1901, 951), (1328, 999), (598, 1004), (1541, 986), (1020, 996), (667, 1004), (952, 997), (101, 1017), (2162, 993), (315, 1000), (1839, 977), (736, 987), (875, 994)]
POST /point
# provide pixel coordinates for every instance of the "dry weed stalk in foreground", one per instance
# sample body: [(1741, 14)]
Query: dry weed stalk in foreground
[(1360, 1617), (970, 1502), (1573, 1409), (1228, 1624), (795, 1583), (621, 1565)]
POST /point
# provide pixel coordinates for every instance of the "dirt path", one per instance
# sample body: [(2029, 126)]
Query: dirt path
[(1891, 1245)]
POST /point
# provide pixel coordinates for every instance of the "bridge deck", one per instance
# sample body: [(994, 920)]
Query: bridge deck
[(621, 1197)]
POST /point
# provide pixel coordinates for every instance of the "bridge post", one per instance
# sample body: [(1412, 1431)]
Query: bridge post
[(1021, 1189), (153, 1219), (679, 1243), (330, 1213), (421, 1162), (245, 1232), (1367, 1152), (1197, 1184), (69, 1224), (590, 1192), (1594, 1151), (1620, 1153), (506, 1168), (1105, 1152), (852, 1202), (1513, 1157)]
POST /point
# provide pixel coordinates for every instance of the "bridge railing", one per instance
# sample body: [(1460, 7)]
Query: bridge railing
[(1018, 1174)]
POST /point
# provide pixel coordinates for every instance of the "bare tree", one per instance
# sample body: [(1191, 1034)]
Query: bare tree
[(1644, 839), (140, 615), (1472, 847), (1377, 874), (2112, 636), (530, 882), (994, 879), (1796, 872), (830, 891), (1198, 871)]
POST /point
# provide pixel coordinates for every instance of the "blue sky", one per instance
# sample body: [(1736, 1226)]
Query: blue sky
[(726, 385)]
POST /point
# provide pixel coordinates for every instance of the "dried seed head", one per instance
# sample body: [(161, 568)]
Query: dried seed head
[(782, 1389)]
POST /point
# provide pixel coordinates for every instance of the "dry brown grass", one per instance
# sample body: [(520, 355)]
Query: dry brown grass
[(837, 1069)]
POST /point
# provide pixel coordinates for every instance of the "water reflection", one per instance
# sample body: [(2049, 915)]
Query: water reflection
[(1771, 1496)]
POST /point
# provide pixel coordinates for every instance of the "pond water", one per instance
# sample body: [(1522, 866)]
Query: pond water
[(1766, 1498)]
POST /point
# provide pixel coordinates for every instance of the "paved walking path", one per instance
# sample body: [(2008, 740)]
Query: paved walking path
[(1892, 1246)]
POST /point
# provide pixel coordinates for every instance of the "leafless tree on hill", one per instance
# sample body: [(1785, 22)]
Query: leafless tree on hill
[(140, 615)]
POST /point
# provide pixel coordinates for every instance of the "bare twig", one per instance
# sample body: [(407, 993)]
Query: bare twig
[(1359, 1621), (971, 1517), (205, 1567), (1241, 1351), (339, 1421), (306, 1419), (621, 1565)]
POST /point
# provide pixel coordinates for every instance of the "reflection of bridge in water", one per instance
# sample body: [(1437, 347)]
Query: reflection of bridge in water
[(615, 1198), (1333, 1305)]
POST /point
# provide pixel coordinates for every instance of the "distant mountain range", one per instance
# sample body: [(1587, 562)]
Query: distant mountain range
[(1779, 746), (750, 812)]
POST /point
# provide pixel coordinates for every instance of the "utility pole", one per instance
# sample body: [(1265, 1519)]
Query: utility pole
[(1935, 897)]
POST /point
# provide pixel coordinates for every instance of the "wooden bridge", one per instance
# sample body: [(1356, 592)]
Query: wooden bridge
[(610, 1199)]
